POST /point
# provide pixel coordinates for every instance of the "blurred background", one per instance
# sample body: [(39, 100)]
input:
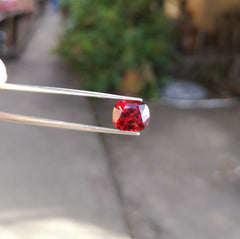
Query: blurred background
[(180, 178)]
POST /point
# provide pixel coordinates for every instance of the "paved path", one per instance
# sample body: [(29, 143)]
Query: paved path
[(54, 184), (181, 178)]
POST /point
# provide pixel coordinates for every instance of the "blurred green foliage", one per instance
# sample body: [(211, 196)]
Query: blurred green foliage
[(105, 39)]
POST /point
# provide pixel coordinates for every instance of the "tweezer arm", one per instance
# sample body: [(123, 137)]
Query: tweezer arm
[(63, 91), (61, 124), (54, 90)]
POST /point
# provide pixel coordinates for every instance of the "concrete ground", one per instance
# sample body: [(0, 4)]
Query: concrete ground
[(179, 180)]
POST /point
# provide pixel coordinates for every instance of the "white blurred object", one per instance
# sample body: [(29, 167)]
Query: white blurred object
[(184, 90), (190, 95), (3, 73)]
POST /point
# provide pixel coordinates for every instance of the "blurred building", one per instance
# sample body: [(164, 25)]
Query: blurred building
[(216, 21), (206, 13), (16, 21), (209, 33)]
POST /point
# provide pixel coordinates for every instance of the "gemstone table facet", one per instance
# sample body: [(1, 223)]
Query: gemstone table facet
[(130, 115)]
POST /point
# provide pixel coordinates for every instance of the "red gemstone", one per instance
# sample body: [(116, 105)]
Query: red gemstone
[(131, 115)]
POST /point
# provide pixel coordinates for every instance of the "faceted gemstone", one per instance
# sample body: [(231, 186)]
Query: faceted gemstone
[(130, 115)]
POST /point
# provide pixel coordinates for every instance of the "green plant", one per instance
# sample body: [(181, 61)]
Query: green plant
[(108, 38)]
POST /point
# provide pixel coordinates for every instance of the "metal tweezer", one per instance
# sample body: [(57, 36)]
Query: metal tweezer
[(62, 124)]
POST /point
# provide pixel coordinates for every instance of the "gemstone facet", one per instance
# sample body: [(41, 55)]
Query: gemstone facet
[(130, 115)]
